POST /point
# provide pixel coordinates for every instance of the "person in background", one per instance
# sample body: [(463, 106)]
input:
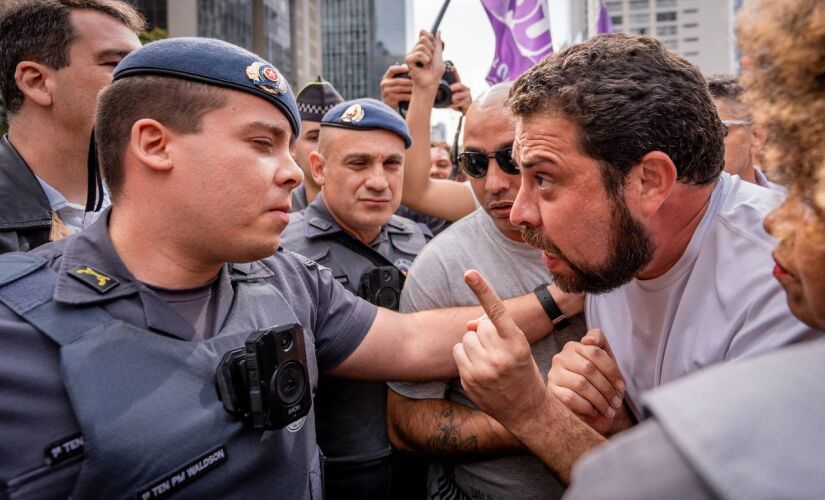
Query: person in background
[(55, 56), (433, 197), (350, 229), (440, 164), (743, 141), (314, 100)]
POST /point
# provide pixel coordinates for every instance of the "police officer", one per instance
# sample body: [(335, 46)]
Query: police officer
[(314, 100), (111, 339), (350, 229)]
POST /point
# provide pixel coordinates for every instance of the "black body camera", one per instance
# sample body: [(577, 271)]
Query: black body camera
[(266, 382), (444, 97), (382, 286)]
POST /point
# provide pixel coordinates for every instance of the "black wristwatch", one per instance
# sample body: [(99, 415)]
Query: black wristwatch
[(551, 308)]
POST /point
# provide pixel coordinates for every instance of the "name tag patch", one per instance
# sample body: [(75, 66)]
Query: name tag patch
[(64, 449), (184, 475)]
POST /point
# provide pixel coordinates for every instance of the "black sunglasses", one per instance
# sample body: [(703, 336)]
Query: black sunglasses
[(475, 163)]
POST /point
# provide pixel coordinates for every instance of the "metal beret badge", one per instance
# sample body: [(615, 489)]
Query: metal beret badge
[(266, 78), (353, 114)]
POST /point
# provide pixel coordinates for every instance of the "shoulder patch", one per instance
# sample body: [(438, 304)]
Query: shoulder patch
[(320, 223), (308, 263), (94, 279)]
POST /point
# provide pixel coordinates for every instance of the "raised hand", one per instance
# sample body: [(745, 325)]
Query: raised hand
[(425, 60), (495, 362)]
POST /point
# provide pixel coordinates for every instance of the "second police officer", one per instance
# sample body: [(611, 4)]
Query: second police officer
[(350, 229)]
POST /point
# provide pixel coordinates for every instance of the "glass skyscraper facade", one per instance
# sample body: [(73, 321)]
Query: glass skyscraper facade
[(360, 38), (261, 26)]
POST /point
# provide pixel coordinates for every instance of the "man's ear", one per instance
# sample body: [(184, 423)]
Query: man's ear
[(655, 177), (149, 143), (35, 82), (317, 162), (759, 136)]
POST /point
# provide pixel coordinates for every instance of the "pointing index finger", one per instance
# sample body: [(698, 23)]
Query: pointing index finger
[(492, 304)]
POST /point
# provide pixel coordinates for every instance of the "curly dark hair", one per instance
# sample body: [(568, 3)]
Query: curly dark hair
[(783, 46), (41, 31), (629, 96)]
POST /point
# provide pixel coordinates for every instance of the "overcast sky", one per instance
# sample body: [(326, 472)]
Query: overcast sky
[(468, 41)]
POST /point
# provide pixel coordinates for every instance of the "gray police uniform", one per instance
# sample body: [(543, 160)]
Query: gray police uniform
[(351, 415), (104, 395), (749, 429), (430, 225), (25, 213), (299, 199)]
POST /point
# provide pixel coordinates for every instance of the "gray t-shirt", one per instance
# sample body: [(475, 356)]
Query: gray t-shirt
[(436, 280), (199, 306)]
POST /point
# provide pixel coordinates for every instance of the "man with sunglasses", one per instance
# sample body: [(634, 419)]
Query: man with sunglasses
[(474, 456)]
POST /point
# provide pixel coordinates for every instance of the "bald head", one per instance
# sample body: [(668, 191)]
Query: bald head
[(493, 99), (489, 128)]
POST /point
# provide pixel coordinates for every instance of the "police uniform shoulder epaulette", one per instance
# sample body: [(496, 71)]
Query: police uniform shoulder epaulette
[(323, 225), (308, 263), (403, 224), (15, 265)]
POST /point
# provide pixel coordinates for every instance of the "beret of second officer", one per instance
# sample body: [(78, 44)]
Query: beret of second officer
[(213, 62), (367, 114)]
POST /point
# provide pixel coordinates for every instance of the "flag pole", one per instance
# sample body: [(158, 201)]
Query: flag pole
[(437, 23)]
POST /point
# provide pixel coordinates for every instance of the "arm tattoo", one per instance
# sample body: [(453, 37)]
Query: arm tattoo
[(447, 439)]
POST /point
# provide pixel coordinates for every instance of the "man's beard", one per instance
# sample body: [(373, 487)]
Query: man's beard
[(631, 248)]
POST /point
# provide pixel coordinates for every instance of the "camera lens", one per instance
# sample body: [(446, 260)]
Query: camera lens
[(289, 383), (388, 298), (285, 341), (444, 97)]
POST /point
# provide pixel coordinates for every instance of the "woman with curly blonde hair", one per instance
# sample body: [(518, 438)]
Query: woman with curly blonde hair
[(751, 429)]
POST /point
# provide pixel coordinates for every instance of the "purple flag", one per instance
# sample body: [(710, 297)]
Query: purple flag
[(522, 30), (604, 23)]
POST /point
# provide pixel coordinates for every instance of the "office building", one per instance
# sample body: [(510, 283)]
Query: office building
[(284, 32), (701, 31), (360, 39)]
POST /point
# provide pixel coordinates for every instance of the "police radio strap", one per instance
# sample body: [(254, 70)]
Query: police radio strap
[(31, 299), (361, 249)]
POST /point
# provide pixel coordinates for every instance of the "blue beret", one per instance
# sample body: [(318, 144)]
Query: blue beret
[(213, 62), (367, 114)]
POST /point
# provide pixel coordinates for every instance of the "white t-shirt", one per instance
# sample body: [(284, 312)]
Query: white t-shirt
[(763, 181), (719, 302)]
